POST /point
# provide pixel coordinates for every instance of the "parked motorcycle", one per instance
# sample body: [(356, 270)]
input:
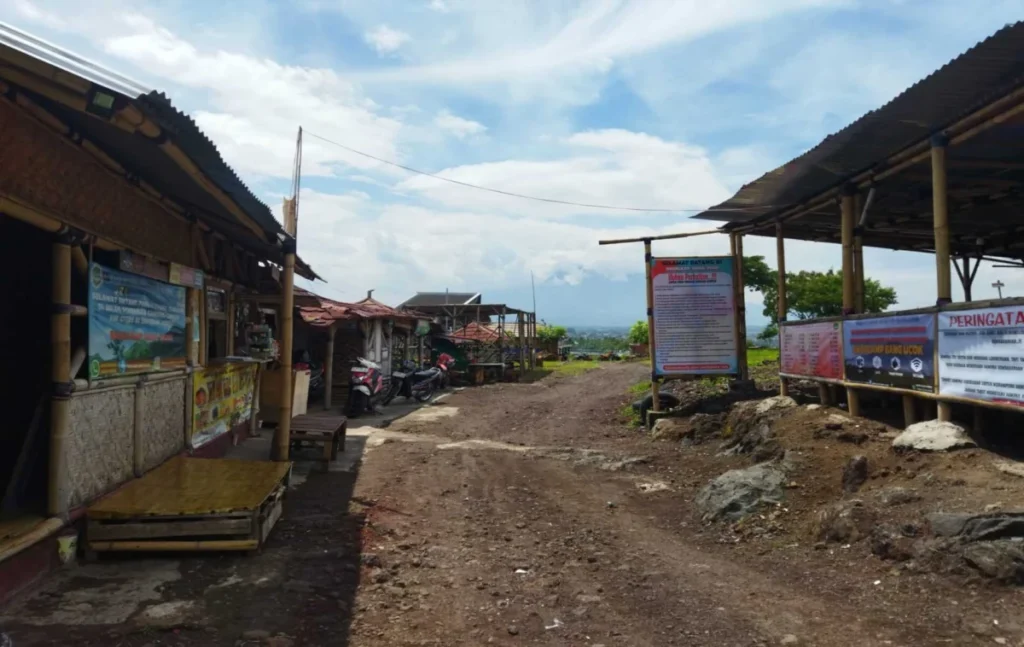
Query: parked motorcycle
[(367, 387), (417, 383), (317, 381), (445, 363)]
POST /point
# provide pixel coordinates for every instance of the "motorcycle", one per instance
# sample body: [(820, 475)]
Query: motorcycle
[(417, 383), (367, 387), (445, 363)]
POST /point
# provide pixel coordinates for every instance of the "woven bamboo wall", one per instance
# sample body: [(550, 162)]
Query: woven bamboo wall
[(163, 421), (99, 450)]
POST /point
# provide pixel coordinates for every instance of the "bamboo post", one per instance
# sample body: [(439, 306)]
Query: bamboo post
[(60, 375), (231, 323), (282, 434), (858, 258), (940, 215), (783, 301), (909, 410), (849, 276), (741, 310), (329, 365), (501, 341), (521, 325), (190, 330), (651, 342), (824, 395), (204, 328), (407, 354)]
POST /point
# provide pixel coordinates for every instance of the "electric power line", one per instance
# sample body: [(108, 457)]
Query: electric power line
[(522, 195)]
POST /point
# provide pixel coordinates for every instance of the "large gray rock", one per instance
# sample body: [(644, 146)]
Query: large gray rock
[(977, 527), (933, 436), (999, 560), (844, 522), (670, 429), (738, 493), (855, 474)]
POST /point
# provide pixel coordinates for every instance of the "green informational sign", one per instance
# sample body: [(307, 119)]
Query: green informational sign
[(136, 324)]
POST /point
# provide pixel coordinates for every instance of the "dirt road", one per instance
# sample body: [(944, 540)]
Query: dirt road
[(528, 514)]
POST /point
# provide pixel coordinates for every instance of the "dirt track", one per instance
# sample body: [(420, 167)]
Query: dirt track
[(529, 514)]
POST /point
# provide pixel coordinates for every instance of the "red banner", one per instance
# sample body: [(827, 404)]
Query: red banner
[(812, 350)]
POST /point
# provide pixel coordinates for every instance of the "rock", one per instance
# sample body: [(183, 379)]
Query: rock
[(999, 560), (513, 630), (670, 429), (977, 527), (1013, 468), (855, 474), (750, 423), (381, 576), (844, 522), (895, 496), (888, 543), (853, 437), (256, 634), (371, 559), (933, 436), (789, 639), (738, 493)]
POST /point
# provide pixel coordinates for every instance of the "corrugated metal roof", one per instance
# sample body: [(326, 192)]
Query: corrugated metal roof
[(440, 299), (986, 72), (479, 332), (327, 311)]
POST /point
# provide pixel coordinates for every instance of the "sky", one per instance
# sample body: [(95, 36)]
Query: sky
[(658, 104)]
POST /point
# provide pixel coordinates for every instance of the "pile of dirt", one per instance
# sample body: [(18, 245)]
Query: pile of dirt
[(777, 473)]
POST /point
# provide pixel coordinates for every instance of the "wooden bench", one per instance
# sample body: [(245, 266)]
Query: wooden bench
[(328, 431)]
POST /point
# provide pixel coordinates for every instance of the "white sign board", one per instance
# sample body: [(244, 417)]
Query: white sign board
[(981, 354), (694, 316)]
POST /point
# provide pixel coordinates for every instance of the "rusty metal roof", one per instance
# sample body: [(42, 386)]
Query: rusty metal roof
[(988, 71), (320, 311)]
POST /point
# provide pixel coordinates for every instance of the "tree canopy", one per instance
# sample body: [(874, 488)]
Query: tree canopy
[(638, 333), (810, 294), (551, 333)]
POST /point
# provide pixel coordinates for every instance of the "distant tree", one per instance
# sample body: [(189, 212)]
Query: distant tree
[(551, 333), (638, 333), (757, 276)]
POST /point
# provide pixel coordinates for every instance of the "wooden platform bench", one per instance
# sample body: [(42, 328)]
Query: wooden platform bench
[(191, 504), (328, 431)]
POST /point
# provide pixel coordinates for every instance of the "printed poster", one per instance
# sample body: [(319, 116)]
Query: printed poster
[(892, 351), (694, 316), (186, 276), (136, 324), (812, 350), (222, 398), (981, 354)]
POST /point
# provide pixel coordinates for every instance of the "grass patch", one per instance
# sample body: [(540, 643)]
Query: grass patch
[(630, 416), (757, 356), (640, 388), (572, 367)]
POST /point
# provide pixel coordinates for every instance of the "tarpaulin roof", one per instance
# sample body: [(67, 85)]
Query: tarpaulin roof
[(320, 311), (478, 332), (440, 299)]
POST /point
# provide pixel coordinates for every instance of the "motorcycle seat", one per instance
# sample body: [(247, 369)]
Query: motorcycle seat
[(429, 372)]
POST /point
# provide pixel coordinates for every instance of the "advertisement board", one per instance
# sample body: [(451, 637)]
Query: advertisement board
[(222, 398), (136, 324), (981, 354), (896, 351), (812, 350), (186, 276), (694, 316)]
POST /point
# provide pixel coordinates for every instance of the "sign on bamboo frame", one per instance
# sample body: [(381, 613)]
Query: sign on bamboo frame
[(694, 308), (812, 350)]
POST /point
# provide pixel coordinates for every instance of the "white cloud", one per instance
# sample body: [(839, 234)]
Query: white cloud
[(458, 127), (612, 167), (385, 39), (440, 6)]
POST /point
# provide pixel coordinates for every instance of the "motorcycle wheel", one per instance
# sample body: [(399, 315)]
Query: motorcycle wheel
[(392, 392), (356, 404), (426, 393)]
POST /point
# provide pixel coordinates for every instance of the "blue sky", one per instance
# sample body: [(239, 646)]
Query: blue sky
[(650, 103)]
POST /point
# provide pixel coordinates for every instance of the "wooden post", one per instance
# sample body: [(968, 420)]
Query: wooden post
[(282, 434), (204, 329), (940, 217), (60, 375), (783, 301), (329, 365), (407, 355), (852, 401), (652, 343), (909, 410), (849, 276), (741, 308), (858, 257), (521, 325), (231, 305), (824, 394)]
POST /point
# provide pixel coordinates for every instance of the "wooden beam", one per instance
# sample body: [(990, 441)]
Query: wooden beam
[(848, 218)]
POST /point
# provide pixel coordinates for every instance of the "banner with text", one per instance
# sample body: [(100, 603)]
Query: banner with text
[(222, 398), (981, 354), (136, 324), (694, 316), (894, 351), (812, 350)]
